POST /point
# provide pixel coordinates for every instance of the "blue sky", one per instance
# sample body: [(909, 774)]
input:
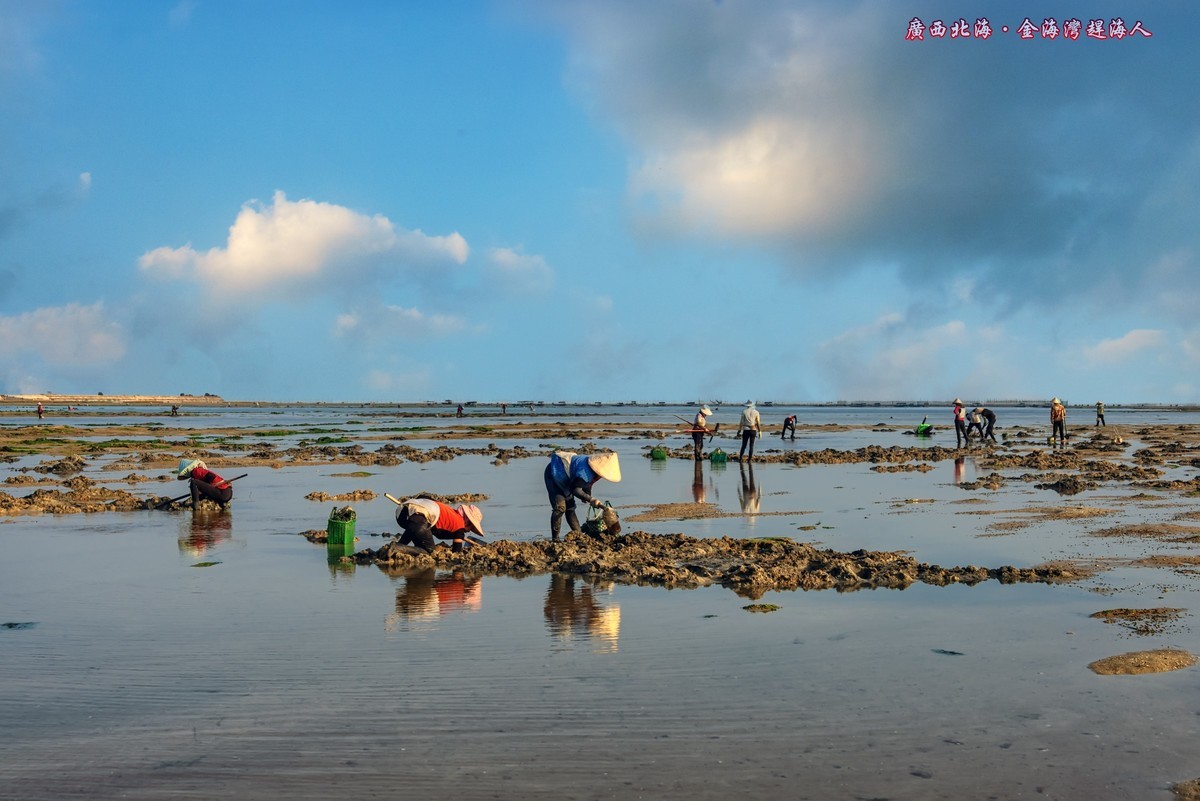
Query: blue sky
[(611, 200)]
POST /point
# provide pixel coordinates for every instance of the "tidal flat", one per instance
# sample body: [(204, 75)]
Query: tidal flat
[(165, 653)]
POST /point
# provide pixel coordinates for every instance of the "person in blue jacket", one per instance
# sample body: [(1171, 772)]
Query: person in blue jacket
[(569, 477)]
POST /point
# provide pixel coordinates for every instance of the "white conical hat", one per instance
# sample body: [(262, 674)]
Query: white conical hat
[(704, 410), (958, 401), (473, 516), (187, 465), (606, 466), (1056, 401)]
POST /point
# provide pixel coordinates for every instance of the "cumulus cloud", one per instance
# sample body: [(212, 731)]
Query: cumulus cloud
[(1124, 348), (513, 269), (815, 129), (181, 13), (290, 244), (63, 336)]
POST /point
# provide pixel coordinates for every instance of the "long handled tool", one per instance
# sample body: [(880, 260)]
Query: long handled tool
[(473, 538), (165, 504), (709, 431)]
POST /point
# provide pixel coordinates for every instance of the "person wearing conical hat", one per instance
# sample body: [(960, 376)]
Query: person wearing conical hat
[(960, 423), (1058, 422), (570, 477), (699, 429), (204, 482), (1100, 414), (423, 519), (750, 427)]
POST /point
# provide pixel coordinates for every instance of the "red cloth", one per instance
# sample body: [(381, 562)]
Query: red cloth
[(449, 519), (209, 477)]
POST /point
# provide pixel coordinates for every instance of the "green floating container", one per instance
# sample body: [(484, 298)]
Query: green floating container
[(339, 532), (658, 453), (718, 457), (336, 550)]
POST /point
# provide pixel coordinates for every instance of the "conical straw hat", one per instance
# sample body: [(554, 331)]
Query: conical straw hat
[(473, 516), (606, 466)]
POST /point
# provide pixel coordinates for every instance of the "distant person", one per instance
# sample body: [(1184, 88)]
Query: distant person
[(570, 476), (41, 411), (699, 429), (989, 417), (750, 427), (424, 518), (204, 482), (459, 413), (789, 424), (976, 422), (504, 408), (960, 423), (1058, 422), (1100, 414), (175, 410)]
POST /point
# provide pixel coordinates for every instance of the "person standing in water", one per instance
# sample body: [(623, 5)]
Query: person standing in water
[(699, 429), (750, 427), (1100, 414), (1058, 422), (960, 423)]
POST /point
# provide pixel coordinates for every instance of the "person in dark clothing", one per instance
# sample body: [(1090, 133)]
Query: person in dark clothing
[(424, 518), (960, 423), (989, 417), (1100, 414), (789, 424), (570, 476), (1058, 423), (204, 482)]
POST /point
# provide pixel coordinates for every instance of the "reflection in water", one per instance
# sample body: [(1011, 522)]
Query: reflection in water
[(960, 469), (427, 594), (699, 494), (749, 493), (207, 529), (570, 611), (335, 554)]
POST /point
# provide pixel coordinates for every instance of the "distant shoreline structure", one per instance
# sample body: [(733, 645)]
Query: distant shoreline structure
[(54, 399)]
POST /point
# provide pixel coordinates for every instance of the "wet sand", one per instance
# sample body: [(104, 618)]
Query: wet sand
[(198, 681)]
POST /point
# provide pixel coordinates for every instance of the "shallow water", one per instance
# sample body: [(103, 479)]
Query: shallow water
[(272, 673)]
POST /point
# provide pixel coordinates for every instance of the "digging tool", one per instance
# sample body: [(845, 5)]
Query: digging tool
[(165, 504), (474, 539), (710, 431)]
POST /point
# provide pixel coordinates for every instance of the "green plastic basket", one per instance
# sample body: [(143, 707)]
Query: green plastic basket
[(658, 453), (718, 457), (339, 532)]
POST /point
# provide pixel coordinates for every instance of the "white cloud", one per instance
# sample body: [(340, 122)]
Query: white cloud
[(407, 383), (775, 175), (295, 243), (85, 182), (1122, 349), (64, 336), (523, 272), (888, 358), (389, 321)]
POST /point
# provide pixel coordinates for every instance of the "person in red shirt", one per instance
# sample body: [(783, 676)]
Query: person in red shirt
[(204, 482), (424, 518)]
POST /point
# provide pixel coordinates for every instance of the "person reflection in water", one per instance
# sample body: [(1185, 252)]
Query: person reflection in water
[(750, 494), (427, 593), (960, 469), (206, 529), (699, 494), (570, 611)]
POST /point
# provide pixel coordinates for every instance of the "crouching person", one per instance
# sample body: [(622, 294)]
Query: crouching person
[(423, 519), (204, 482), (570, 476)]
